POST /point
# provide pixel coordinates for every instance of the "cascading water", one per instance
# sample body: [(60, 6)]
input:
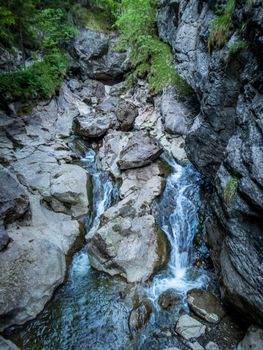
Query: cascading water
[(178, 218), (91, 310)]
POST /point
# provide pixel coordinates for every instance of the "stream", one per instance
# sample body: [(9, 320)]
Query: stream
[(91, 310)]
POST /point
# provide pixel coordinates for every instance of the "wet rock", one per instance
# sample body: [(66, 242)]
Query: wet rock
[(212, 346), (4, 238), (226, 145), (98, 58), (205, 305), (140, 150), (177, 117), (7, 344), (33, 265), (13, 197), (94, 125), (252, 340), (188, 327), (69, 185), (168, 299), (139, 316)]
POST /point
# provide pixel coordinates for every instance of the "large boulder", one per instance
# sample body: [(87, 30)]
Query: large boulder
[(125, 111), (98, 58), (132, 247), (13, 197), (94, 125), (34, 264), (128, 241), (205, 305), (140, 150), (69, 190)]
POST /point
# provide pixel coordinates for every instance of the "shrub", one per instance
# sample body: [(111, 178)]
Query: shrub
[(39, 81), (149, 56), (221, 27)]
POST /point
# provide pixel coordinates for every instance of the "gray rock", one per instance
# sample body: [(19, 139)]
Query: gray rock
[(227, 141), (177, 117), (33, 265), (7, 344), (13, 197), (205, 305), (131, 247), (252, 340), (98, 58), (94, 125), (212, 346), (188, 327), (4, 238), (139, 316), (195, 346), (140, 150), (69, 184), (168, 299)]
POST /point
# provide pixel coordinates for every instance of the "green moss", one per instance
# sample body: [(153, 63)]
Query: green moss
[(221, 27), (231, 189)]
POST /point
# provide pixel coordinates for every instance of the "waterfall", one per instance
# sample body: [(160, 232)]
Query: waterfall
[(178, 217)]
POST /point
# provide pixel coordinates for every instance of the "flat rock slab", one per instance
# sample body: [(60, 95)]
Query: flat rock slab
[(205, 305), (140, 150), (252, 340), (188, 327)]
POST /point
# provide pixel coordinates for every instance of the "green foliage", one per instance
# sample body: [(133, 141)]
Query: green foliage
[(231, 189), (92, 18), (149, 56), (53, 29), (39, 81), (221, 27)]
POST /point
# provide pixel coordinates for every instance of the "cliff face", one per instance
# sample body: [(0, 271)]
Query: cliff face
[(227, 146)]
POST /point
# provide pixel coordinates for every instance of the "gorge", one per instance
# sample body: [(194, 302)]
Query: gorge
[(132, 219)]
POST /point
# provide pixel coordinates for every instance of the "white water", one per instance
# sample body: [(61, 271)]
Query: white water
[(178, 217)]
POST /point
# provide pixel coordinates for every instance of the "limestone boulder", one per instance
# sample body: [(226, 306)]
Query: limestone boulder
[(69, 190)]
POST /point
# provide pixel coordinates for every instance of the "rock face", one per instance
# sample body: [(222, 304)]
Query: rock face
[(177, 117), (227, 143), (188, 327), (205, 305), (98, 58)]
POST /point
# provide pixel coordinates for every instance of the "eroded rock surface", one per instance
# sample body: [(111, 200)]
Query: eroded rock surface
[(226, 144)]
